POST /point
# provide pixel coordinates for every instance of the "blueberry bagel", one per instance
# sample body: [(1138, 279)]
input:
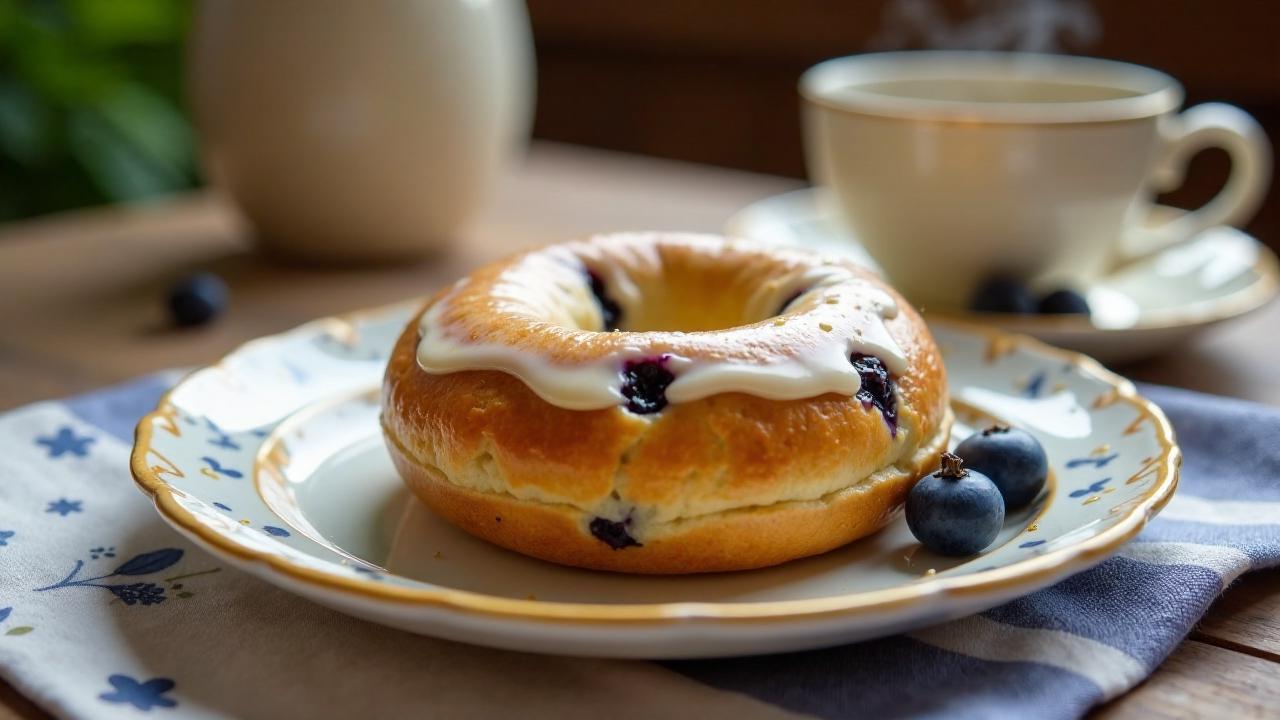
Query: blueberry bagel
[(666, 403)]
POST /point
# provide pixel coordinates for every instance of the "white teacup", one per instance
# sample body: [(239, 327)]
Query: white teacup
[(951, 167)]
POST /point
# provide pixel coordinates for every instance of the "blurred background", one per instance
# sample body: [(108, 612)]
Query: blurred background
[(91, 103), (92, 107)]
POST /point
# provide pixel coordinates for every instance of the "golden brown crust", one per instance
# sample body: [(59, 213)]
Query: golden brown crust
[(734, 540), (702, 480)]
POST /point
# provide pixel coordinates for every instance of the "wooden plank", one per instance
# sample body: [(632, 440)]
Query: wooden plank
[(1202, 681), (807, 31), (13, 706), (24, 378), (1236, 359), (1247, 618)]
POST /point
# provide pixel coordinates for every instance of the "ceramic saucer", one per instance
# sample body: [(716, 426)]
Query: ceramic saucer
[(1141, 310), (272, 460)]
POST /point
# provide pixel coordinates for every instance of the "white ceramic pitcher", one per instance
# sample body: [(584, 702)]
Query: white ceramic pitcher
[(360, 131)]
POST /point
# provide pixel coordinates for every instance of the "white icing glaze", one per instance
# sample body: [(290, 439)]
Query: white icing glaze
[(841, 314), (566, 300)]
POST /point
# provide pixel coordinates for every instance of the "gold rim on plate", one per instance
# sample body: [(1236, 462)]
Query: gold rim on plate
[(1024, 573)]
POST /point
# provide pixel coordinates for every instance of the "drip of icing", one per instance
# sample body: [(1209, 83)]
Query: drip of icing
[(563, 299), (842, 313)]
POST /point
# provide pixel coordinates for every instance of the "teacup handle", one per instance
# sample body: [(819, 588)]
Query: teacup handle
[(1183, 135)]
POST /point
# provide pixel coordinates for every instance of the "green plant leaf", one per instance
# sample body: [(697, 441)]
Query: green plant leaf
[(127, 22), (152, 125), (22, 124), (117, 168), (10, 18), (90, 96), (20, 630)]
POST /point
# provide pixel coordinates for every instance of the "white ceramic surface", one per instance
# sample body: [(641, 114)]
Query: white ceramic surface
[(951, 164), (272, 460), (360, 130), (1141, 310)]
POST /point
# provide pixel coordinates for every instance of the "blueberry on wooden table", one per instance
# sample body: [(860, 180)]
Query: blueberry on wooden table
[(1004, 295), (197, 299), (1013, 459), (1064, 302), (955, 511)]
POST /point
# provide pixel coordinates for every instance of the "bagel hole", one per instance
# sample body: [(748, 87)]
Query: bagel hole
[(693, 292)]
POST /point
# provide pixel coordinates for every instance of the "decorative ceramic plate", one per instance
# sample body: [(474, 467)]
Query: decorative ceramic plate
[(1140, 310), (273, 460)]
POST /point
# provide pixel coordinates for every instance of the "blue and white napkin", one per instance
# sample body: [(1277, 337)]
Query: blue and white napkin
[(107, 613)]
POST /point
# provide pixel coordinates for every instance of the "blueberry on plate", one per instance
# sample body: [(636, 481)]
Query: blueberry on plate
[(955, 511), (1013, 459), (1064, 302), (197, 299), (1003, 295)]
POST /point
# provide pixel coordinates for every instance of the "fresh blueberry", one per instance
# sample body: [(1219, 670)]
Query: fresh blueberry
[(955, 511), (197, 299), (644, 385), (1013, 459), (610, 311), (1064, 302), (1003, 295), (877, 388), (613, 533)]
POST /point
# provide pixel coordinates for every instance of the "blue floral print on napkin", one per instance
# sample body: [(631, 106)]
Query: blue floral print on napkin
[(142, 695), (128, 593), (66, 441), (64, 507), (14, 630)]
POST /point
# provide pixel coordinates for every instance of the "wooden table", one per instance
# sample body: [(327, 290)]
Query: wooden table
[(80, 307)]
